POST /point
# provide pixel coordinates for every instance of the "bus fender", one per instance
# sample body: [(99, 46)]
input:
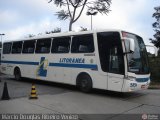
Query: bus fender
[(17, 67)]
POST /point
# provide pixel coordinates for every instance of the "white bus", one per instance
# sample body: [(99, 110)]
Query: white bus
[(108, 59), (0, 55), (0, 50)]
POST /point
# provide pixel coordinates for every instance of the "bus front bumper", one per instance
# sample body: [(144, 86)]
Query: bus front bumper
[(133, 85)]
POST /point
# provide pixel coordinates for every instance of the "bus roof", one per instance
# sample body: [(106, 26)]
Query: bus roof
[(70, 33)]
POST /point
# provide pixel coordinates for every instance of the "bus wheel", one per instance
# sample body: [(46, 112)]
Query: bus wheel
[(84, 83), (17, 74)]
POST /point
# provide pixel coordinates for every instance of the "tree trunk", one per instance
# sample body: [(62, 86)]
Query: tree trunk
[(70, 25)]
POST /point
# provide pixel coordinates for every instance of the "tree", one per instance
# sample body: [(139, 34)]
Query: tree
[(156, 26), (83, 29), (31, 35), (76, 7), (56, 30)]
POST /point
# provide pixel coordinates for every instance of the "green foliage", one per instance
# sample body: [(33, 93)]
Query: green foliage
[(31, 35), (62, 15), (83, 29), (101, 6), (154, 63), (76, 7), (56, 30), (156, 26)]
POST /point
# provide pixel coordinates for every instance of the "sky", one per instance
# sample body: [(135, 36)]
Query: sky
[(19, 18)]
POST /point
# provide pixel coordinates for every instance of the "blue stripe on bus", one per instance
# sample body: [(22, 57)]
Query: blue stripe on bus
[(89, 66), (142, 79), (20, 62)]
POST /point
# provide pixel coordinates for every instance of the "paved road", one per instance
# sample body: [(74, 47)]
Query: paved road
[(18, 89), (59, 98)]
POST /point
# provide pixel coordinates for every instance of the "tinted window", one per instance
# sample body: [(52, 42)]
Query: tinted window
[(28, 46), (7, 48), (43, 45), (17, 47), (137, 61), (82, 44), (61, 45), (0, 44), (110, 52)]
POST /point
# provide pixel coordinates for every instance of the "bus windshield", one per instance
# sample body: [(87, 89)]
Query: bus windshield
[(137, 61)]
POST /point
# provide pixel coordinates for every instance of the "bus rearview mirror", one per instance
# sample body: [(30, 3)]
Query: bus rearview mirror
[(130, 45)]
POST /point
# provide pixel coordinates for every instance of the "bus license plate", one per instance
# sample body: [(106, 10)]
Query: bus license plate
[(143, 86)]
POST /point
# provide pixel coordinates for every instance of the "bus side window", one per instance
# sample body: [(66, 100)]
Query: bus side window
[(82, 44), (116, 61), (28, 46), (7, 48), (110, 52), (43, 45), (61, 45), (17, 47)]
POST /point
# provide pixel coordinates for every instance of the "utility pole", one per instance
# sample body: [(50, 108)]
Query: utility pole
[(91, 13)]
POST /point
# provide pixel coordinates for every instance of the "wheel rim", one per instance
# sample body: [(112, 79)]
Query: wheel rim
[(17, 75), (84, 83)]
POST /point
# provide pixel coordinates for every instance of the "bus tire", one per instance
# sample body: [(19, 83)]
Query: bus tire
[(17, 74), (84, 83)]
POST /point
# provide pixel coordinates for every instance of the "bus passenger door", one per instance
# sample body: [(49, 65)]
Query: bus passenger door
[(116, 70), (111, 58)]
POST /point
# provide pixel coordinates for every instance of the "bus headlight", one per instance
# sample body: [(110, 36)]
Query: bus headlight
[(131, 78)]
